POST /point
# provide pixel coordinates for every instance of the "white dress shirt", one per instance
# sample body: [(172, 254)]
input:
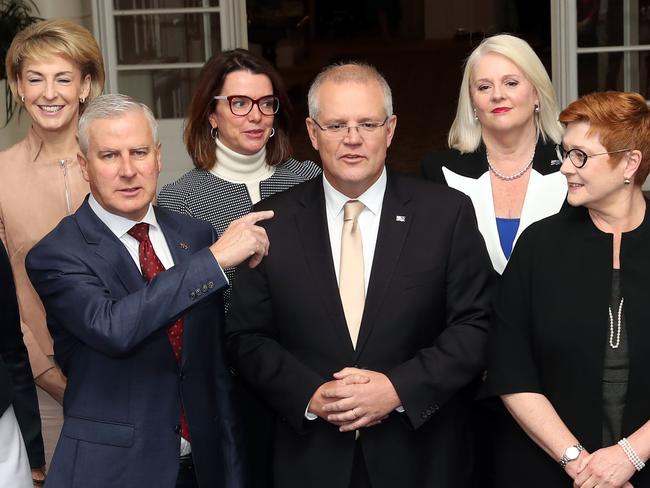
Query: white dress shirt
[(368, 221), (119, 226)]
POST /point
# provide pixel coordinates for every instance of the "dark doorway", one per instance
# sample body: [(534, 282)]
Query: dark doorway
[(419, 45)]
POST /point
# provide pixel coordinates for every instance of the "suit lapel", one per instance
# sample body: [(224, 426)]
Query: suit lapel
[(109, 248), (171, 228), (396, 218), (314, 235)]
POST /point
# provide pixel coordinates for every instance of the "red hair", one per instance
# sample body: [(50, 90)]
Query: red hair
[(620, 119)]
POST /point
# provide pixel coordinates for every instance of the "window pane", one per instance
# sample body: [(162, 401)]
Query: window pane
[(167, 92), (172, 38), (605, 71), (600, 23), (139, 4)]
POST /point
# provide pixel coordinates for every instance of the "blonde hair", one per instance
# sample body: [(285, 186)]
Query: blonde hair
[(465, 132), (56, 38)]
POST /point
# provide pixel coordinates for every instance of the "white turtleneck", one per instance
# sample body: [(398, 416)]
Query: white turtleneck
[(240, 168)]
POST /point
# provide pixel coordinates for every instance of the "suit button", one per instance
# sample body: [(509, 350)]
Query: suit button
[(177, 429), (198, 292), (192, 295), (211, 284), (424, 415), (436, 407), (204, 288)]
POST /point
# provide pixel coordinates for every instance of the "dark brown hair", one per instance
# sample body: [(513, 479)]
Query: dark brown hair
[(620, 119), (198, 140)]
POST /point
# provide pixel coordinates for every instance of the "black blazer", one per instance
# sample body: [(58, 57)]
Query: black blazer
[(424, 325), (551, 329), (16, 381), (469, 173)]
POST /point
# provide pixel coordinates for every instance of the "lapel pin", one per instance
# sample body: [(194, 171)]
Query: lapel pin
[(556, 162), (183, 245), (400, 218)]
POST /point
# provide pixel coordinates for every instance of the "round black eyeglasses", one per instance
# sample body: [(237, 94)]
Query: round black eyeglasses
[(578, 157)]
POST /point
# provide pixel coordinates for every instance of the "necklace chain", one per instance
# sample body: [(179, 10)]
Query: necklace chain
[(612, 344), (518, 174)]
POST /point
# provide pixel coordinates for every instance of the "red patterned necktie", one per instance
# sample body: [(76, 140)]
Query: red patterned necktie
[(151, 266)]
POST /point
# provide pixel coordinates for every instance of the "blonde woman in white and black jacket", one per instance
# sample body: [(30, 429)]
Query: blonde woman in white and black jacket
[(502, 143)]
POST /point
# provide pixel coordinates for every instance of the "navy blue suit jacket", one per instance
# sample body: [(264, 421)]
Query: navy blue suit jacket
[(122, 404)]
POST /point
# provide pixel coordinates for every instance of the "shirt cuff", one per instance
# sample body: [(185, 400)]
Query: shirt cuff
[(308, 414), (400, 409)]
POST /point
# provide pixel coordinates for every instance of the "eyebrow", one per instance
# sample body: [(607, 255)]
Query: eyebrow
[(34, 72), (503, 77)]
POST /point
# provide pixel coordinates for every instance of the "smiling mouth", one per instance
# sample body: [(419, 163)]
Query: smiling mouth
[(500, 110), (574, 185), (51, 109)]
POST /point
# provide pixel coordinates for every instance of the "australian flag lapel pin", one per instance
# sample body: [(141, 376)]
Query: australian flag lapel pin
[(183, 245), (400, 218)]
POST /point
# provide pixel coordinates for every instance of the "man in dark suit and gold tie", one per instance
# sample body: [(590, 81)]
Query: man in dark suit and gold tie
[(133, 300), (366, 325)]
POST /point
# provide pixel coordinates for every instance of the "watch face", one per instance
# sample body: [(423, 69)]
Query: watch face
[(572, 453)]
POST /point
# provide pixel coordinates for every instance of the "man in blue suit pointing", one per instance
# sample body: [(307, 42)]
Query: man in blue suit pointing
[(133, 300)]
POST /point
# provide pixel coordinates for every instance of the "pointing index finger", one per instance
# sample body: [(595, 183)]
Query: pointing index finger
[(255, 217)]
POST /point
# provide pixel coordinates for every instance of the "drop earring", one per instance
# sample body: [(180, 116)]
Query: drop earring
[(536, 108), (475, 115)]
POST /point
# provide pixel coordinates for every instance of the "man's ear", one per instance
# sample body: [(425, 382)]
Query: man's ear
[(392, 125), (83, 165), (312, 130), (158, 157)]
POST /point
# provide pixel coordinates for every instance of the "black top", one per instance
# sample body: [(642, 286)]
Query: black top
[(16, 381), (550, 330), (616, 367), (474, 164)]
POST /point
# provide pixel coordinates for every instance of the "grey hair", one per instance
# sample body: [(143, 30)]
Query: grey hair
[(109, 106), (465, 132), (354, 71)]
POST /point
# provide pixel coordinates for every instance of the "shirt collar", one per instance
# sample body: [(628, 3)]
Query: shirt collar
[(372, 198), (116, 223)]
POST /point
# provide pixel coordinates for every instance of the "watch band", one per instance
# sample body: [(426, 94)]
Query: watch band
[(569, 456)]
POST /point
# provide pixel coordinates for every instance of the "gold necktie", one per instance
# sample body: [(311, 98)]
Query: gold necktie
[(351, 279)]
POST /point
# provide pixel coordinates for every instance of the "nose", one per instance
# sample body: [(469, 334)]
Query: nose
[(567, 167), (49, 90), (497, 94), (127, 167), (255, 115), (353, 136)]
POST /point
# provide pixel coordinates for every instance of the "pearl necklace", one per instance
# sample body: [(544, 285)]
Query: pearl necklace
[(618, 328), (518, 174)]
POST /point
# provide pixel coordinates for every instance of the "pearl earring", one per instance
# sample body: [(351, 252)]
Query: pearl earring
[(475, 115), (22, 99), (626, 181)]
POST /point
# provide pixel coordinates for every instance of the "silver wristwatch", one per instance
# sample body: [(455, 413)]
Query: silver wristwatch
[(571, 454)]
